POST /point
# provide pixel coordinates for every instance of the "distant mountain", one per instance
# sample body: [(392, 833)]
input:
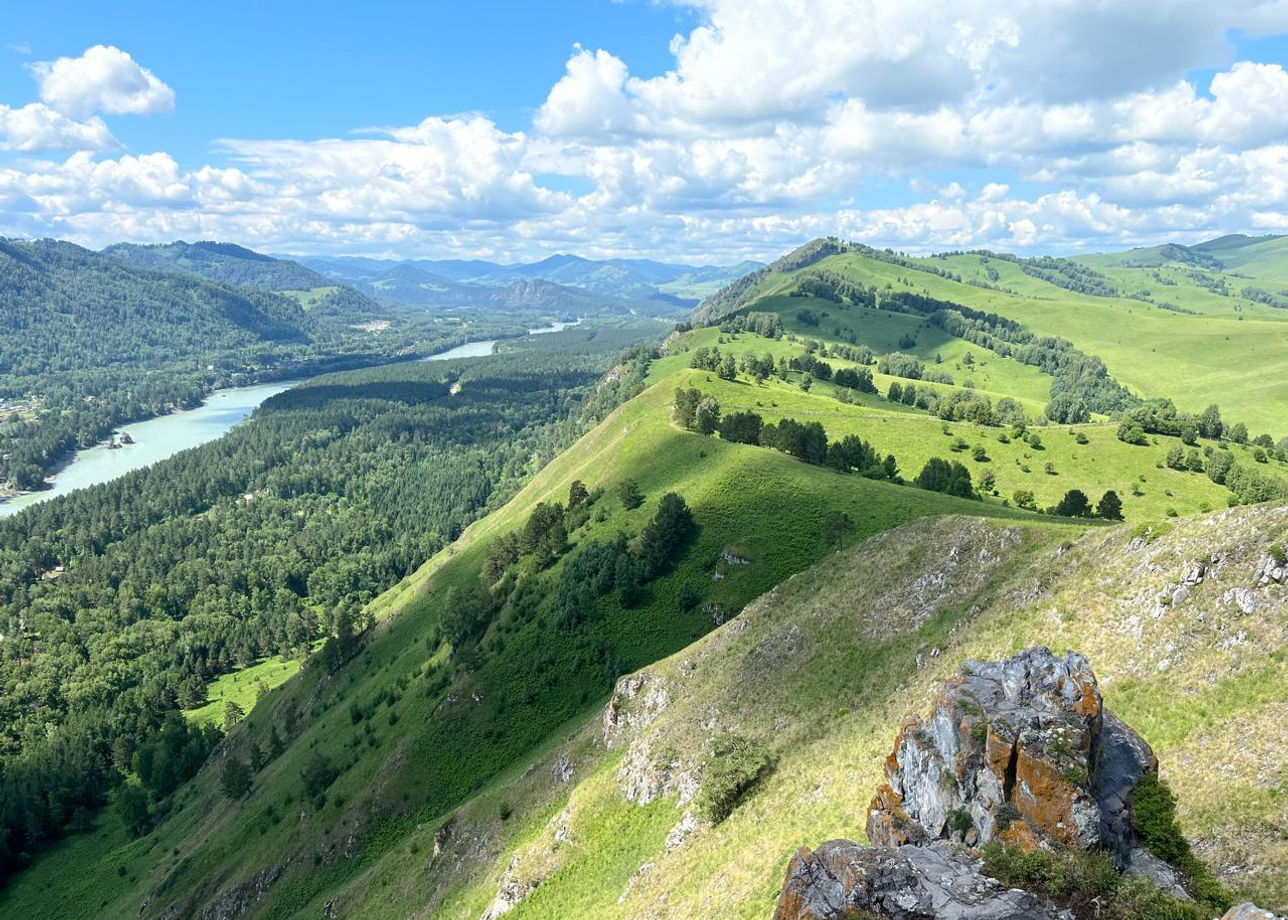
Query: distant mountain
[(67, 308), (419, 284), (628, 279), (226, 263)]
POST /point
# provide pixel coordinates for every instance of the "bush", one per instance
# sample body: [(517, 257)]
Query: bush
[(959, 821), (235, 777), (1087, 884), (1153, 818), (318, 775), (737, 764), (629, 493)]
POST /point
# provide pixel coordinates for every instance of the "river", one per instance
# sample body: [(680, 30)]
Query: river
[(485, 348), (166, 435)]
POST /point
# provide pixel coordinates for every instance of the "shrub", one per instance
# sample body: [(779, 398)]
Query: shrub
[(318, 775), (959, 821), (1153, 818), (737, 764), (1087, 884), (235, 777), (629, 493)]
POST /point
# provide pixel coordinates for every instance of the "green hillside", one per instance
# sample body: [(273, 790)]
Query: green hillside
[(1228, 350), (820, 673), (226, 263), (805, 510), (413, 733)]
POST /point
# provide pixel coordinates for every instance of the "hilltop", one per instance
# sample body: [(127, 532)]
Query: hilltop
[(1191, 332)]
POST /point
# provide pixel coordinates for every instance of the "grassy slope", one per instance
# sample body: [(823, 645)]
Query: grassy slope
[(1196, 360), (414, 760), (823, 667), (914, 436), (242, 687)]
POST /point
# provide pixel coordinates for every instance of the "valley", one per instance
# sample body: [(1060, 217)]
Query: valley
[(493, 610)]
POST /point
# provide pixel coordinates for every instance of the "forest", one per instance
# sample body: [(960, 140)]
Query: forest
[(90, 343), (118, 602)]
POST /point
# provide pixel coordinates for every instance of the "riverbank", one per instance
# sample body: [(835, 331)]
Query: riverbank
[(160, 437)]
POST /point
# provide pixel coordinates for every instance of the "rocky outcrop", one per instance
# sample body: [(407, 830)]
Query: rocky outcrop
[(1020, 751), (842, 879)]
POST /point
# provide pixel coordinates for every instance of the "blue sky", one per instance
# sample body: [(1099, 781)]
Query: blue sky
[(692, 129), (323, 69)]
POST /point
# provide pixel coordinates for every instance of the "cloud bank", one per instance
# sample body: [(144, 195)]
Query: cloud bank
[(923, 125)]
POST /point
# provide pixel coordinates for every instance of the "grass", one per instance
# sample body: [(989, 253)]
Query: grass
[(1148, 488), (243, 687), (830, 708), (1241, 364), (311, 298), (421, 747)]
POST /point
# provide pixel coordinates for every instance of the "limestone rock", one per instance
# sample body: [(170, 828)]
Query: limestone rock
[(841, 878), (1247, 911), (1020, 751)]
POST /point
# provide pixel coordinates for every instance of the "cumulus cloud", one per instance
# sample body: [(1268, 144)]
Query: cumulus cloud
[(103, 79), (1007, 123), (37, 127)]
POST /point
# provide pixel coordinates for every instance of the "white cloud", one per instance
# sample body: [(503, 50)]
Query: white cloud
[(37, 127), (103, 79), (1006, 123)]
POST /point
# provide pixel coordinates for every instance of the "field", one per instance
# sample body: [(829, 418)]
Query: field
[(243, 688)]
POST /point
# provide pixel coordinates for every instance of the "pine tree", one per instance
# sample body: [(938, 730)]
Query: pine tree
[(235, 777)]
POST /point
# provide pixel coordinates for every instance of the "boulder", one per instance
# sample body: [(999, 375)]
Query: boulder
[(1020, 751), (1248, 911), (842, 879)]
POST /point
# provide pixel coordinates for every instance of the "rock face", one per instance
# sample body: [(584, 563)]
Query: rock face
[(841, 879), (1020, 751)]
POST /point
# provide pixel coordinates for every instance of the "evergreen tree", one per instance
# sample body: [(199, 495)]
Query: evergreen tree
[(628, 490), (235, 777), (665, 535), (1110, 507), (706, 418), (1074, 504)]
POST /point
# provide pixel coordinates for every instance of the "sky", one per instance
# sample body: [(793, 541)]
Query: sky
[(688, 130)]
